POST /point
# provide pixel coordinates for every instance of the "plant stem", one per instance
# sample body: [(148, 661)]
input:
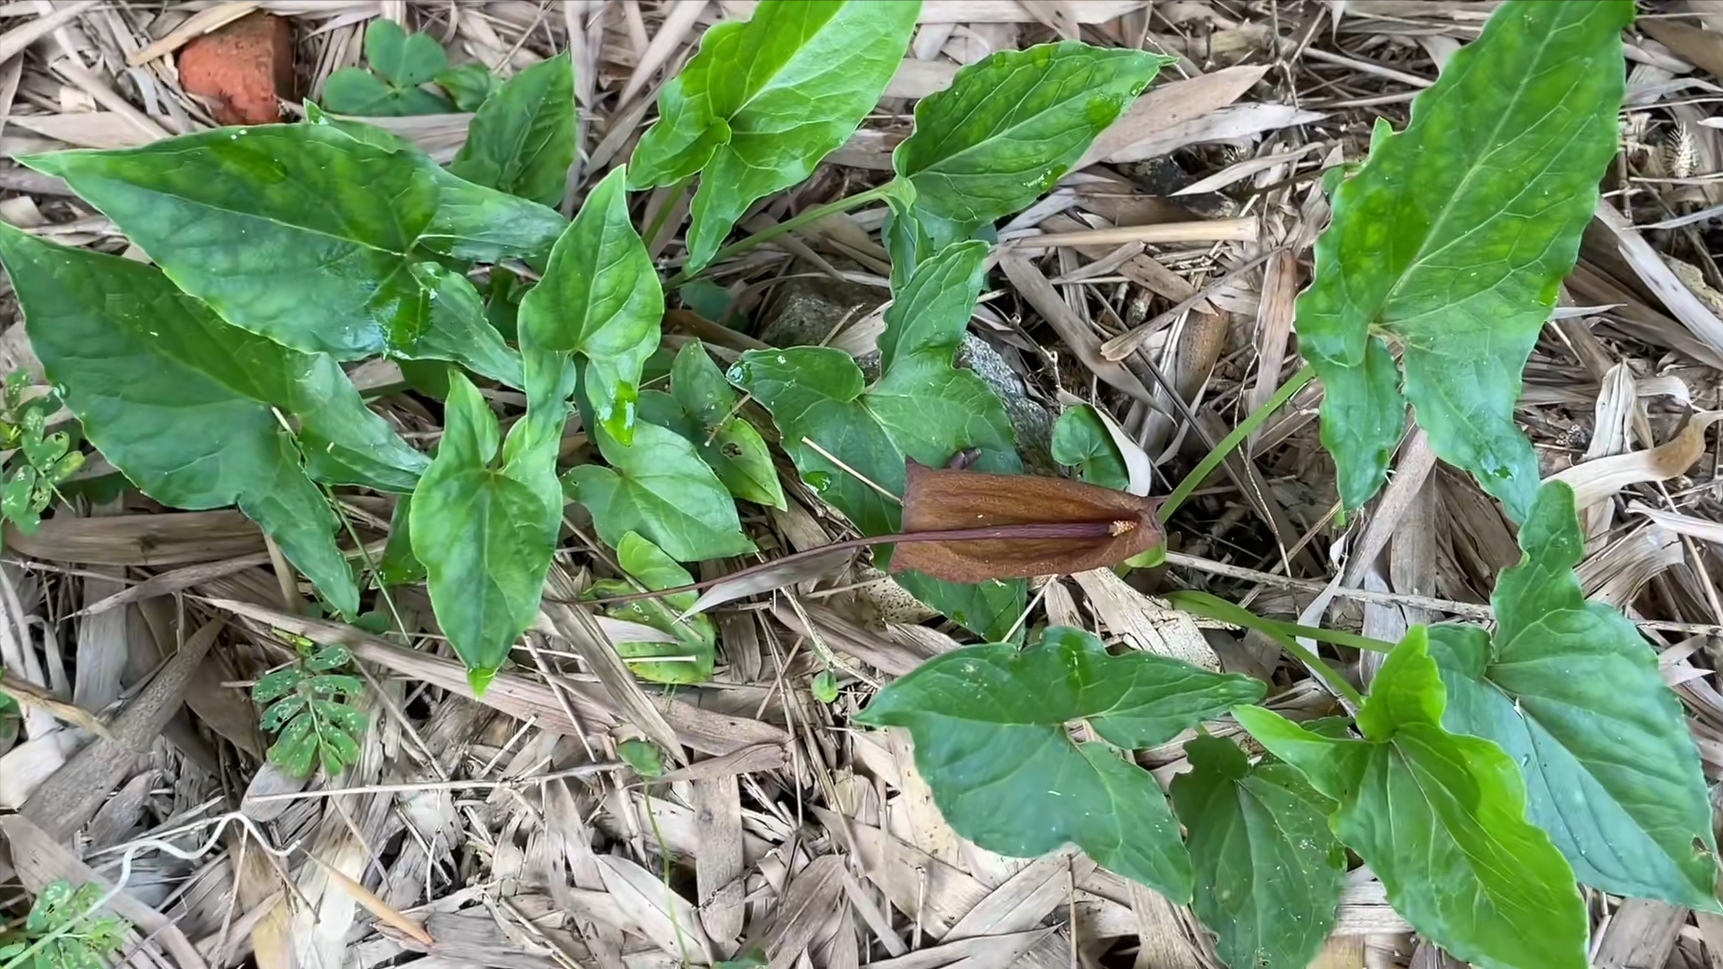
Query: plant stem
[(1232, 441), (1032, 531), (1284, 633), (1214, 607), (790, 225), (671, 201)]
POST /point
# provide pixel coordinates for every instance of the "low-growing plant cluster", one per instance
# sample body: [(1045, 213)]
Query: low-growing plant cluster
[(1485, 775)]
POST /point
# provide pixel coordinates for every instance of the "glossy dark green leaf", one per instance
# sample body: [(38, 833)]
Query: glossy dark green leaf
[(730, 445), (922, 407), (469, 85), (763, 102), (472, 222), (399, 566), (300, 233), (1268, 870), (659, 487), (1081, 441), (157, 382), (1440, 818), (989, 724), (522, 139), (483, 531), (356, 91), (1009, 126), (403, 58), (687, 659), (1452, 239), (1573, 694), (600, 298)]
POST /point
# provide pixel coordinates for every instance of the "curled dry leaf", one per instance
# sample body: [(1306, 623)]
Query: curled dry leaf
[(1076, 526), (1596, 480)]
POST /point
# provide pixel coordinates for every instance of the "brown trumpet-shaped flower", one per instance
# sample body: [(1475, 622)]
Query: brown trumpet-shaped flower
[(1046, 526)]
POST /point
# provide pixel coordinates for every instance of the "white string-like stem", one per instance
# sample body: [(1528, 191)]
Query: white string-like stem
[(131, 850)]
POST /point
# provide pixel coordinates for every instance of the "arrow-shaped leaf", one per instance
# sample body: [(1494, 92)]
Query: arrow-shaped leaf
[(1451, 240), (989, 724), (1572, 692)]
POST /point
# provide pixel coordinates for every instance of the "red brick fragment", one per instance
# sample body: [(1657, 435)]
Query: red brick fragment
[(241, 69)]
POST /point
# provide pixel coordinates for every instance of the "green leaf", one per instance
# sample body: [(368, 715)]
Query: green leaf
[(990, 738), (1008, 128), (1080, 440), (399, 566), (727, 442), (696, 636), (328, 657), (922, 407), (522, 139), (1452, 239), (763, 102), (152, 376), (659, 487), (280, 712), (278, 684), (643, 756), (406, 59), (1440, 818), (469, 85), (483, 531), (299, 233), (459, 328), (356, 91), (472, 222), (600, 298), (1268, 870), (1573, 694), (825, 686)]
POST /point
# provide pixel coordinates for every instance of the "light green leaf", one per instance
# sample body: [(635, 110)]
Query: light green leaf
[(522, 139), (399, 566), (356, 91), (1009, 126), (1452, 239), (406, 59), (153, 377), (1440, 818), (660, 488), (300, 233), (1080, 440), (643, 756), (989, 724), (1573, 694), (600, 298), (469, 85), (731, 445), (1268, 870), (689, 659), (483, 533), (472, 222), (763, 102), (922, 407)]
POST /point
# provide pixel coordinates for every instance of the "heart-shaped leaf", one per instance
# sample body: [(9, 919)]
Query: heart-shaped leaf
[(1440, 818), (300, 233), (764, 101), (157, 382), (406, 59), (1268, 870), (521, 140), (989, 724), (600, 298), (835, 427), (1572, 692)]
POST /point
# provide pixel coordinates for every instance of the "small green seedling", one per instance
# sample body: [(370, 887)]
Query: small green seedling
[(311, 707), (400, 64), (58, 935), (48, 459)]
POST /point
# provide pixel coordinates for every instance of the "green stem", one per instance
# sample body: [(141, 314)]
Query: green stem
[(1227, 444), (670, 203), (1214, 607), (1284, 633), (790, 225)]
